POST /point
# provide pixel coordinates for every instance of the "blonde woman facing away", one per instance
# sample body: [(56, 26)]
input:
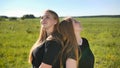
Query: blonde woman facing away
[(85, 58)]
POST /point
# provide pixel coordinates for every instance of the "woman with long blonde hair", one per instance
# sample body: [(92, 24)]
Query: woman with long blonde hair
[(70, 50), (70, 30), (45, 52)]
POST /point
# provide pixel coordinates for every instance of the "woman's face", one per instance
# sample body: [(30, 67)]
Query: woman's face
[(76, 25), (48, 21)]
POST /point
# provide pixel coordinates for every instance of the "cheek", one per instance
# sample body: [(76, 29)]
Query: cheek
[(76, 27), (51, 24)]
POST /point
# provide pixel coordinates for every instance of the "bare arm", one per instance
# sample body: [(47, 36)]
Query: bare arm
[(71, 63), (43, 65)]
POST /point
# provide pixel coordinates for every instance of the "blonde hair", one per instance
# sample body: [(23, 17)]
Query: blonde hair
[(70, 43), (43, 34)]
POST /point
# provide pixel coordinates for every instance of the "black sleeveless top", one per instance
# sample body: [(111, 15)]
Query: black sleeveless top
[(47, 53), (87, 57)]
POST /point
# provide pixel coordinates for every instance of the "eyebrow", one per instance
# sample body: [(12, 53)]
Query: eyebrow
[(45, 15)]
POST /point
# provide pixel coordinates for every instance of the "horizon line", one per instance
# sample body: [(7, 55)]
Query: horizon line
[(67, 16)]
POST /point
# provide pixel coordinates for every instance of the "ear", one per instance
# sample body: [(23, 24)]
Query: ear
[(55, 23)]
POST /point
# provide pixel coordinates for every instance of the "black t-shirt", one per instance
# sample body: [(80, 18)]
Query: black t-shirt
[(87, 57), (71, 55), (48, 53)]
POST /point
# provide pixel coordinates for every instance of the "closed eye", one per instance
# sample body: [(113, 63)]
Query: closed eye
[(45, 17)]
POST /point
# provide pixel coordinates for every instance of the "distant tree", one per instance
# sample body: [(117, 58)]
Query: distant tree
[(12, 18), (27, 16), (3, 18)]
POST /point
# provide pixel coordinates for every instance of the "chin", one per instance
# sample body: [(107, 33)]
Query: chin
[(43, 26)]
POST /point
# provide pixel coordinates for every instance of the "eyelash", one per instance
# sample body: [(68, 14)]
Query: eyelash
[(44, 17)]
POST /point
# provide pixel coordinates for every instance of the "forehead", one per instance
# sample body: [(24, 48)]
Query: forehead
[(46, 14)]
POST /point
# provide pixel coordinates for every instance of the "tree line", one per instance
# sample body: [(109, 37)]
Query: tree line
[(31, 16), (27, 16)]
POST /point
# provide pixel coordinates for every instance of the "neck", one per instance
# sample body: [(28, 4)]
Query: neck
[(78, 38), (49, 31)]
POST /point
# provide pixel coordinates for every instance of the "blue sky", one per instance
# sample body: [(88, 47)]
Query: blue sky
[(62, 7)]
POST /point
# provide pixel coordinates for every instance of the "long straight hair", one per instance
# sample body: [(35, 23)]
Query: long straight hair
[(43, 34), (70, 43)]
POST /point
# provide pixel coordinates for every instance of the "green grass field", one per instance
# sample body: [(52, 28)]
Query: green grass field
[(17, 37)]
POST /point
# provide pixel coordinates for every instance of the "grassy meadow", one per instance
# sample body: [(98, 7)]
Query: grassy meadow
[(17, 37)]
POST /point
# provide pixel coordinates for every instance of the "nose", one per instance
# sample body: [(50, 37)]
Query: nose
[(42, 20)]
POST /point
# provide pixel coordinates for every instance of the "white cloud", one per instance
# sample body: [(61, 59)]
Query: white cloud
[(18, 12)]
